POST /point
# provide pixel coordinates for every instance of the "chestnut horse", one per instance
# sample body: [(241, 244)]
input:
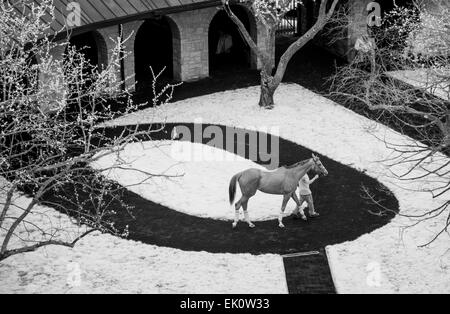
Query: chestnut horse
[(282, 181)]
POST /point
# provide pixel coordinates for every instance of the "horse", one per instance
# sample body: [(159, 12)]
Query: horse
[(282, 181)]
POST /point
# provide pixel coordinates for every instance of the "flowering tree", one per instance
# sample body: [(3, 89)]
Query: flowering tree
[(402, 77), (270, 13), (50, 110)]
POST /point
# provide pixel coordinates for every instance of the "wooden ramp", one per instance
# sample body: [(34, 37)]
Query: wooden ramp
[(308, 273)]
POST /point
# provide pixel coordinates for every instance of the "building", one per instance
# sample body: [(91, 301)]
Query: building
[(181, 35)]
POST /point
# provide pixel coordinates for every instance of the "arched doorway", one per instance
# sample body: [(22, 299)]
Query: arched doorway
[(80, 76), (93, 46), (235, 53), (154, 49)]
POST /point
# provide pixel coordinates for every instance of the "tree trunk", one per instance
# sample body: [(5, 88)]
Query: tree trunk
[(270, 83), (266, 100), (268, 89)]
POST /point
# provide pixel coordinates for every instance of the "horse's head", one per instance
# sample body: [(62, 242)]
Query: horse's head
[(318, 167)]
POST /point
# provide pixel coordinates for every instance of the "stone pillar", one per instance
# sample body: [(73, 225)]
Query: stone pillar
[(111, 37), (129, 34), (358, 26), (262, 39), (191, 47), (191, 43), (52, 86)]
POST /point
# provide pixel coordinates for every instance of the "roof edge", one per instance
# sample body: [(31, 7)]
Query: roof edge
[(139, 16)]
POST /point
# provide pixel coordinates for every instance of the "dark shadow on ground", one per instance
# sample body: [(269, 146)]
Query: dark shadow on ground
[(345, 213), (310, 67)]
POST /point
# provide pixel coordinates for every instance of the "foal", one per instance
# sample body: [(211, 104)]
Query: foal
[(283, 181)]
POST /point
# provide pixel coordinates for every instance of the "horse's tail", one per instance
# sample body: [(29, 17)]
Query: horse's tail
[(232, 189)]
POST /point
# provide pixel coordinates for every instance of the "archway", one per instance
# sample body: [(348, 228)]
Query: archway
[(235, 54), (93, 46), (79, 80), (154, 47)]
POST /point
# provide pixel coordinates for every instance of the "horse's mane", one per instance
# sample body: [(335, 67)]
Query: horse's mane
[(301, 163)]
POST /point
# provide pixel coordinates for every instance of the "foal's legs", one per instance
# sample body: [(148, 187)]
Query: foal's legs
[(283, 208)]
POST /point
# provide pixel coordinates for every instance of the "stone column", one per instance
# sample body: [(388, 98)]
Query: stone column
[(190, 42), (111, 36), (358, 26), (129, 34), (52, 86)]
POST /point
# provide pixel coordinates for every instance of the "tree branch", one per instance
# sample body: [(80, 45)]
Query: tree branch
[(7, 204), (263, 57), (8, 253), (302, 41)]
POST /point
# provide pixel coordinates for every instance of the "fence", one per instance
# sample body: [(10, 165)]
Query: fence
[(299, 18), (289, 23)]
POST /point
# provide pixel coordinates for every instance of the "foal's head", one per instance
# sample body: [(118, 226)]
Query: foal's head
[(318, 167)]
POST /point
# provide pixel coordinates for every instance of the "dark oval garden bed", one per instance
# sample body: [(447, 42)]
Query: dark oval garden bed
[(346, 213)]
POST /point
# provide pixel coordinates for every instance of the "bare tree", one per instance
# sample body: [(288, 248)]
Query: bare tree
[(401, 77), (270, 13), (50, 111)]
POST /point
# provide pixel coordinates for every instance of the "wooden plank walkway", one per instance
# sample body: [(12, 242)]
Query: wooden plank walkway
[(308, 273)]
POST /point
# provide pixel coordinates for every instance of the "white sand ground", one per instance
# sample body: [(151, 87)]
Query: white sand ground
[(106, 264), (381, 262), (198, 188)]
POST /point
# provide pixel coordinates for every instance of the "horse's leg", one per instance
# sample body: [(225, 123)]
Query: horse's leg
[(248, 191), (296, 200), (283, 208), (247, 217), (236, 215)]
